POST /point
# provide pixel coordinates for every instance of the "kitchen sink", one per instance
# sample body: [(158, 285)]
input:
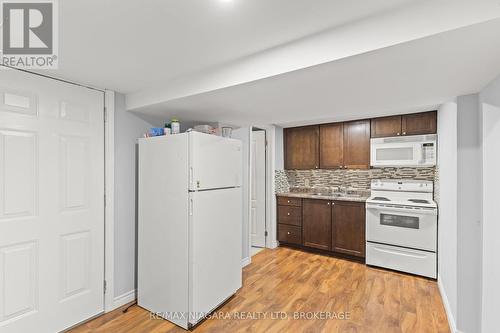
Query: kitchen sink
[(337, 195)]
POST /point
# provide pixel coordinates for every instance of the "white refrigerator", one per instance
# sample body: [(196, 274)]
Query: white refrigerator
[(189, 228)]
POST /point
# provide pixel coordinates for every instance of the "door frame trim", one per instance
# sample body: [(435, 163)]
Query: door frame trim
[(109, 192), (266, 178), (271, 239)]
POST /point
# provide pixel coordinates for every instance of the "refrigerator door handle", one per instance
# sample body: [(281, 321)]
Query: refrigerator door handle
[(190, 207)]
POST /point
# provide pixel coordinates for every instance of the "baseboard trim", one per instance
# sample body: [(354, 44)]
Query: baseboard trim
[(447, 307), (245, 262), (124, 299)]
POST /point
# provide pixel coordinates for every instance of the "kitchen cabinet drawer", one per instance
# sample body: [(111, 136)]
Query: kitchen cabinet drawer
[(286, 201), (290, 215), (289, 234)]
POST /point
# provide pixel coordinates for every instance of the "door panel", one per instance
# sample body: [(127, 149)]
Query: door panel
[(302, 147), (331, 140), (357, 144), (19, 280), (317, 223), (348, 228), (19, 177), (258, 213), (386, 126), (420, 123), (51, 203), (75, 260)]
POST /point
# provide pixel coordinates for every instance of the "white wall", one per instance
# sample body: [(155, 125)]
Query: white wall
[(469, 156), (279, 162), (128, 128), (469, 192), (243, 134), (447, 224), (490, 108)]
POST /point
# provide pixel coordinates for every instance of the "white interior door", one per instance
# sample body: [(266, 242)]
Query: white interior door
[(258, 192), (51, 203)]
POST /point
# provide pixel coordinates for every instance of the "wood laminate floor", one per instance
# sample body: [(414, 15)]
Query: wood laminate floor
[(288, 282)]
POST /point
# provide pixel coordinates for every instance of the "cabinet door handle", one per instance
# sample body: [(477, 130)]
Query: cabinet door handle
[(288, 233), (328, 204), (288, 201), (404, 133), (398, 133), (288, 214)]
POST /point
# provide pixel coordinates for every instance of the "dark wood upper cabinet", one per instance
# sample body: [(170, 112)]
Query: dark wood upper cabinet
[(347, 145), (348, 228), (317, 223), (386, 126), (331, 146), (302, 147), (419, 123), (357, 144)]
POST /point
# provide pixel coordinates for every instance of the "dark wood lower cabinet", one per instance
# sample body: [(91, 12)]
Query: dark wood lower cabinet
[(348, 228), (317, 223), (331, 226)]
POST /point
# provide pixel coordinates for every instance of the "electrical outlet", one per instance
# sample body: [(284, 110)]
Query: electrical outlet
[(306, 182)]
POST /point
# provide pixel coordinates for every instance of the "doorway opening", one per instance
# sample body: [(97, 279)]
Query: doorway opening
[(258, 199)]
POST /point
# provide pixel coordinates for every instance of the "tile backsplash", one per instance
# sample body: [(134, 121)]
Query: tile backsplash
[(353, 179), (281, 181)]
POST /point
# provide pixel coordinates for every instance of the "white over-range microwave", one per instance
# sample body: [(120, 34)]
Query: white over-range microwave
[(411, 151)]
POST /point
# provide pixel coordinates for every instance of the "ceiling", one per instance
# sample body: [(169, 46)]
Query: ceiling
[(408, 77), (131, 46), (286, 62)]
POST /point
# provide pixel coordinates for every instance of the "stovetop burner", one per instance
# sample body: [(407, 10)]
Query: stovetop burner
[(381, 199), (419, 201)]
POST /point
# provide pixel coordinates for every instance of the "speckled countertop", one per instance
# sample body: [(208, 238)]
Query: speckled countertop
[(359, 197)]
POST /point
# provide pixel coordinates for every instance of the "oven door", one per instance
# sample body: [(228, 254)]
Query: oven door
[(411, 227)]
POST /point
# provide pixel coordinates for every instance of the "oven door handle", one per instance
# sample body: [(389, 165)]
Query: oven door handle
[(390, 208), (401, 252)]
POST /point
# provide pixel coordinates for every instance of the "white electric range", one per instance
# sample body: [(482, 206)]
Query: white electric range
[(401, 226)]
